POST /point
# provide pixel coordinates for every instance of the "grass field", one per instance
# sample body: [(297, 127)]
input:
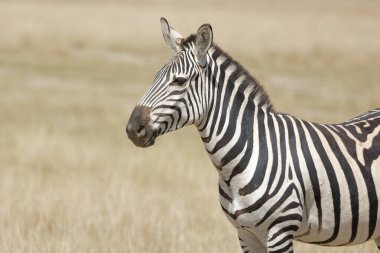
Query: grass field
[(71, 73)]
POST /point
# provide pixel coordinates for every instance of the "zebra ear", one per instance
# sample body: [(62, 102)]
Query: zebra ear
[(203, 42), (172, 38)]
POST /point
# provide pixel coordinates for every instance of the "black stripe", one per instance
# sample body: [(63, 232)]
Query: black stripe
[(285, 218), (282, 241), (350, 178), (370, 185), (261, 165), (245, 138), (334, 185), (285, 248), (280, 200), (217, 95), (224, 194), (230, 83), (232, 120), (311, 170), (293, 153), (283, 230), (274, 151), (192, 96)]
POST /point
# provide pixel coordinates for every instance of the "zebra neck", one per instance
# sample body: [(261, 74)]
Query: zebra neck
[(228, 83), (232, 142), (237, 106)]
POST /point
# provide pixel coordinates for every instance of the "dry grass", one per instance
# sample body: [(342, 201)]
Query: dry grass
[(70, 74)]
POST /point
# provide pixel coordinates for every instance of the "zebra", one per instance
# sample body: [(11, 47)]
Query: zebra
[(281, 178)]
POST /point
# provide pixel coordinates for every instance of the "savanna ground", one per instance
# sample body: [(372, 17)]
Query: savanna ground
[(70, 74)]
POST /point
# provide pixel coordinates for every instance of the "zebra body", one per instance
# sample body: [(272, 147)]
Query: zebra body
[(319, 186), (280, 178)]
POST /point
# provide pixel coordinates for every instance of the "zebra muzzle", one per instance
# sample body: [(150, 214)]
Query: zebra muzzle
[(138, 129)]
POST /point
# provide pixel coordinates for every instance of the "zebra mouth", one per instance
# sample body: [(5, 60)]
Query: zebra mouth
[(142, 138), (150, 141)]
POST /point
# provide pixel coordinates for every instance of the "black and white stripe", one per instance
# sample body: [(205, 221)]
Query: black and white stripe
[(281, 177)]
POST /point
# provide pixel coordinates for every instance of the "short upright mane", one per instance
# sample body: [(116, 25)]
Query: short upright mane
[(249, 80)]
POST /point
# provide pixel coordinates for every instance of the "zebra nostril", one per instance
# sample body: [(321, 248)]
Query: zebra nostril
[(141, 131)]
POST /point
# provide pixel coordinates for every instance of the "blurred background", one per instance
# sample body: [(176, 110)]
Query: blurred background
[(71, 73)]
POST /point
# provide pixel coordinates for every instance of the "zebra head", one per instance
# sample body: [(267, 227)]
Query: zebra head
[(177, 95)]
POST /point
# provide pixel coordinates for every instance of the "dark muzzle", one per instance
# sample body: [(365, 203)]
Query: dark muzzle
[(139, 130)]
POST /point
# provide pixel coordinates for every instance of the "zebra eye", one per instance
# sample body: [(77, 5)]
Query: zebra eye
[(179, 81)]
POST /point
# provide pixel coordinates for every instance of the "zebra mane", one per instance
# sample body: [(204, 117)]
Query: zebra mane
[(260, 95)]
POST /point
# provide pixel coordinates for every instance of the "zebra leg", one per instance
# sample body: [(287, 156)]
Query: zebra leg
[(280, 241), (249, 242), (285, 247)]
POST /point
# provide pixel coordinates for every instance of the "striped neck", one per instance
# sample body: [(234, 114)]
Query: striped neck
[(236, 99)]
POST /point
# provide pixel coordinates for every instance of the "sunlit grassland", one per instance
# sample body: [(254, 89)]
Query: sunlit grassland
[(70, 74)]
